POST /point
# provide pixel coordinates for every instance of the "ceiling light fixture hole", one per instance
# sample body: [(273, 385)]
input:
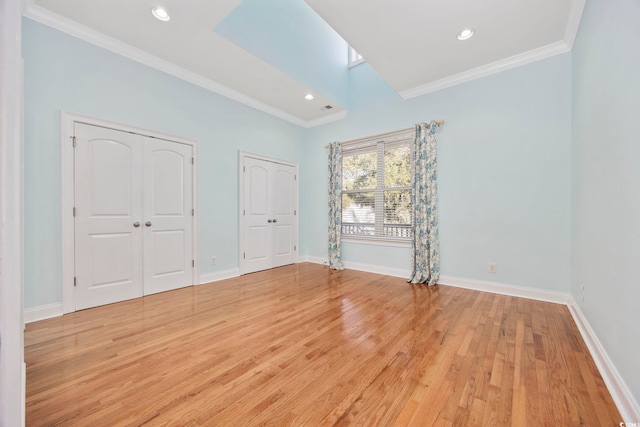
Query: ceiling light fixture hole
[(160, 13), (465, 34)]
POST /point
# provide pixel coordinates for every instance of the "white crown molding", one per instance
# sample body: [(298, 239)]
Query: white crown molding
[(333, 117), (46, 17), (624, 400), (505, 289), (42, 312), (559, 47), (489, 69), (573, 22)]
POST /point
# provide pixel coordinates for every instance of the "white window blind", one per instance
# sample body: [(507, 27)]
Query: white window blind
[(376, 189)]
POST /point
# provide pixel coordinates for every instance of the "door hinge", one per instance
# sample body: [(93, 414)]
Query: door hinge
[(73, 141), (295, 248), (74, 211), (193, 263), (244, 255), (295, 177), (193, 161), (75, 282), (243, 212), (193, 212), (295, 212)]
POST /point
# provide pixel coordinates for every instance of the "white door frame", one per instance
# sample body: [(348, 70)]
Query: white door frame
[(67, 196), (12, 367), (241, 156)]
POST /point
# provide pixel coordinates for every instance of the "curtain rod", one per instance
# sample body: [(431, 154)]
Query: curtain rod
[(385, 134)]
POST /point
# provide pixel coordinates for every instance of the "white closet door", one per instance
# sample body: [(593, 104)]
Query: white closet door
[(108, 233), (283, 206), (168, 220), (133, 223), (269, 195), (257, 215)]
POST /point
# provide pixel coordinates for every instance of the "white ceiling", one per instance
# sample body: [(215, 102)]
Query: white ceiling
[(411, 44)]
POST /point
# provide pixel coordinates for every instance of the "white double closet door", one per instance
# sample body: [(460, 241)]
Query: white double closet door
[(269, 214), (133, 215)]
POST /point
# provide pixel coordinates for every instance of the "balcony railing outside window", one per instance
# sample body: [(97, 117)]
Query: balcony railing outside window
[(399, 231)]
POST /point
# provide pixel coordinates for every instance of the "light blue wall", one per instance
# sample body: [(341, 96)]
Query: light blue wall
[(291, 36), (504, 172), (606, 179), (65, 73), (539, 166), (504, 156)]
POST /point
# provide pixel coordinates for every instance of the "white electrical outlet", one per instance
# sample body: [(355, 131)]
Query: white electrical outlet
[(493, 267), (213, 260)]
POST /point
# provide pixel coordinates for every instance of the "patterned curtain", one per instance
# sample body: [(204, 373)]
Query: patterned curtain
[(425, 246), (335, 205)]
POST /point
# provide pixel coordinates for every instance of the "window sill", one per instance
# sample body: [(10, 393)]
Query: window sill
[(377, 241)]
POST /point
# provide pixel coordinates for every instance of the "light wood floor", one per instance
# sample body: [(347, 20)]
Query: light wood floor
[(305, 346)]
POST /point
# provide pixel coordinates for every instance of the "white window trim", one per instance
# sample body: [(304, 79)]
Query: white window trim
[(372, 144), (377, 241)]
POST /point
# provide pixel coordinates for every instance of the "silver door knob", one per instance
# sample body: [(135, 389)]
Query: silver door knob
[(275, 220), (269, 221), (136, 224), (148, 223)]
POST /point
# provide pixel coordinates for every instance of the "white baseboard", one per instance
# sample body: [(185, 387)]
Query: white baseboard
[(313, 259), (54, 310), (219, 275), (23, 396), (504, 289), (369, 268), (624, 400), (43, 312), (378, 269)]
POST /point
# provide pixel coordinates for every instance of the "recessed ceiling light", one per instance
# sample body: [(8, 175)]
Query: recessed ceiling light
[(465, 34), (160, 14), (308, 97)]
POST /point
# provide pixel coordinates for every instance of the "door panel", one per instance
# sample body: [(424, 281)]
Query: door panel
[(258, 190), (169, 246), (284, 190), (284, 202), (105, 269), (111, 177), (258, 244), (257, 232), (167, 186), (284, 241), (168, 182), (108, 248)]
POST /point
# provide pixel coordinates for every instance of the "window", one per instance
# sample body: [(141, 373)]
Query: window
[(376, 190), (354, 57)]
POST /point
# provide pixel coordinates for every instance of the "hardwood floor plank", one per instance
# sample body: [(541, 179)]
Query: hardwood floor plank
[(305, 345)]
